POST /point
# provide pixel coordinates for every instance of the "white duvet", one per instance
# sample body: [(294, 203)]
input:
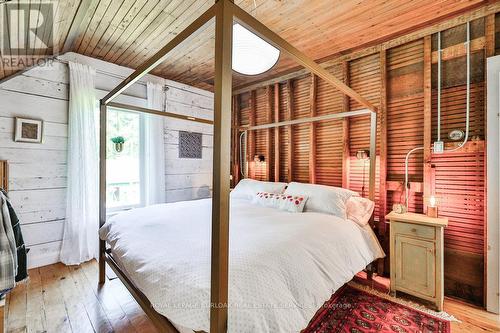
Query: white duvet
[(282, 266)]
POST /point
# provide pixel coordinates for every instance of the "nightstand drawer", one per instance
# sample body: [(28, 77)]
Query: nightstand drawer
[(415, 230)]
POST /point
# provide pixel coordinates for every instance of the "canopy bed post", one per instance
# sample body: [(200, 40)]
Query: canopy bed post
[(102, 187), (224, 12), (221, 167), (370, 269), (373, 155)]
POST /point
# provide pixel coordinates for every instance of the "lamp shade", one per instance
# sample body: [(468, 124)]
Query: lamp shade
[(251, 54)]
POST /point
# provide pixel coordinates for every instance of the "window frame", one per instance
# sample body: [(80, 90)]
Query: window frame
[(142, 165)]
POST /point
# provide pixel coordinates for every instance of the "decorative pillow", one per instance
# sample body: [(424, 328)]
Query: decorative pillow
[(292, 203), (267, 199), (289, 203), (248, 188), (321, 198), (359, 210)]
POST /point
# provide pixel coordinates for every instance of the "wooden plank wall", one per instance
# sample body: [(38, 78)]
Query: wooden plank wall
[(365, 78), (402, 82), (329, 153), (458, 178), (37, 182)]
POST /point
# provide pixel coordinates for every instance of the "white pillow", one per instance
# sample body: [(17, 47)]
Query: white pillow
[(359, 210), (321, 198), (248, 188)]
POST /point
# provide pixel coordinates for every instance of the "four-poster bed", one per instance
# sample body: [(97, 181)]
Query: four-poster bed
[(224, 11)]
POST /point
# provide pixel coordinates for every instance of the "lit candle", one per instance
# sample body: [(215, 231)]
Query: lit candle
[(432, 201)]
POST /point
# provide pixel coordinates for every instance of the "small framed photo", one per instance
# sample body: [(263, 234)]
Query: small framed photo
[(28, 130)]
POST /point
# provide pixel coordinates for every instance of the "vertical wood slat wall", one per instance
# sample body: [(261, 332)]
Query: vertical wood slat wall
[(364, 78), (405, 119), (328, 168), (401, 81)]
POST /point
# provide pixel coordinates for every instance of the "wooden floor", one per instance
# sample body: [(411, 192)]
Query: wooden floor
[(61, 299)]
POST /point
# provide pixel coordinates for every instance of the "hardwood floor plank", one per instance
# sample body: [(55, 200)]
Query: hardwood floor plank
[(128, 304), (60, 298), (35, 308), (114, 312), (131, 308), (78, 317), (95, 311), (16, 310), (55, 311), (473, 319)]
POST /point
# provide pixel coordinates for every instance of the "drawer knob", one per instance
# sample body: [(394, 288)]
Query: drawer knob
[(413, 230)]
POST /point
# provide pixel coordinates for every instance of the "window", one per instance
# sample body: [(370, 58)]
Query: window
[(124, 182)]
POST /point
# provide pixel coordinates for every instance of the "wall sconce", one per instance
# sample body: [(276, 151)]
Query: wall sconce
[(259, 158), (362, 154), (432, 206)]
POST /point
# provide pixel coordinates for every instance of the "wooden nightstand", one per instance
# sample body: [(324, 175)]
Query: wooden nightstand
[(416, 249)]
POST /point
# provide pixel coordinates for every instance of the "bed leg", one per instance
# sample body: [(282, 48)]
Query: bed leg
[(102, 262), (369, 272)]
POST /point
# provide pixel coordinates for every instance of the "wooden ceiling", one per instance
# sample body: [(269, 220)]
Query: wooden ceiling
[(127, 32)]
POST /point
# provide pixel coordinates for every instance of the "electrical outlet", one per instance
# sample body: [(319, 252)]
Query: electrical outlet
[(438, 147)]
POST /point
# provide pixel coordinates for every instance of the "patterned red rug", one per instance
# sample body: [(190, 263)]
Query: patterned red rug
[(351, 310)]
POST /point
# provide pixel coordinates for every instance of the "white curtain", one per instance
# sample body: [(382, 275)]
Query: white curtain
[(80, 242), (154, 147)]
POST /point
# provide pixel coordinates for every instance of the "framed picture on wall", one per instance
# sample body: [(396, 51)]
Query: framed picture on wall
[(28, 130)]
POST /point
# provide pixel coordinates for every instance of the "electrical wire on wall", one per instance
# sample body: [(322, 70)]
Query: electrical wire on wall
[(407, 183), (438, 146)]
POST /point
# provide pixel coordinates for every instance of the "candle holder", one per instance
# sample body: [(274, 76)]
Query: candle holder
[(432, 211), (432, 206)]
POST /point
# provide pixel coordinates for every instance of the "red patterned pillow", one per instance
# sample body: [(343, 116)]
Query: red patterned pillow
[(289, 203), (266, 199), (292, 203)]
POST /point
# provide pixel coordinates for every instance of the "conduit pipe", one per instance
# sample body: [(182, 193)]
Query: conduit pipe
[(467, 108), (407, 187), (439, 52)]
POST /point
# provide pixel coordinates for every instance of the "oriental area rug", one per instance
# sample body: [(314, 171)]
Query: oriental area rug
[(354, 310)]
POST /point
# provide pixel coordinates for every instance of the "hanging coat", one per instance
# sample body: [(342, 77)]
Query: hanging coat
[(21, 251), (8, 258)]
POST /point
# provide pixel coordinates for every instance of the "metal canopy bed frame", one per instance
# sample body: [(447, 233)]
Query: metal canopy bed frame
[(224, 12)]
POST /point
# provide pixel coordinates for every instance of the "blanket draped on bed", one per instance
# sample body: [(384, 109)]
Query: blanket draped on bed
[(282, 266)]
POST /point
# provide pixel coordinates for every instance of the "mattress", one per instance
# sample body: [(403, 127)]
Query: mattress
[(282, 266)]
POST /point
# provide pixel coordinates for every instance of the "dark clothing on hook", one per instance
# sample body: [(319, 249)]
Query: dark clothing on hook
[(22, 266)]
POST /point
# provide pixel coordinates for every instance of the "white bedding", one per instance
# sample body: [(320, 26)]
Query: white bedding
[(282, 266)]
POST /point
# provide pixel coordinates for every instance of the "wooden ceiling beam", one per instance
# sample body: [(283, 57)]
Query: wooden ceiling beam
[(270, 36)]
